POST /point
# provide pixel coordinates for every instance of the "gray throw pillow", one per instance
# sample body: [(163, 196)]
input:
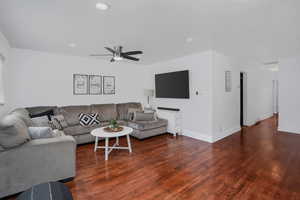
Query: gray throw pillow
[(61, 120), (42, 121), (141, 116), (13, 132), (40, 132)]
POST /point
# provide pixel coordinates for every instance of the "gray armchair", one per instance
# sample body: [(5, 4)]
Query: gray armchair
[(35, 162)]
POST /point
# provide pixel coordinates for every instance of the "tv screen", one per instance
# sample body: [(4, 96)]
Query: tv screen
[(172, 85)]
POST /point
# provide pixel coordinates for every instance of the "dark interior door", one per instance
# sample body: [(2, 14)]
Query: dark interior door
[(242, 99)]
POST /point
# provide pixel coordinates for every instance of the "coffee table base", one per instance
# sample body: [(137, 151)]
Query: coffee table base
[(108, 148)]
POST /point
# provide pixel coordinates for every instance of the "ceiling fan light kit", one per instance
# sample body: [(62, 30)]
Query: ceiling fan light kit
[(117, 54)]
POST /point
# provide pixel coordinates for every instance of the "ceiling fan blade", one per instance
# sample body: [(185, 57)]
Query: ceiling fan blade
[(101, 55), (130, 57), (132, 52), (110, 49)]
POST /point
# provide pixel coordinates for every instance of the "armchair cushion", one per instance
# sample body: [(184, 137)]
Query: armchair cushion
[(13, 132)]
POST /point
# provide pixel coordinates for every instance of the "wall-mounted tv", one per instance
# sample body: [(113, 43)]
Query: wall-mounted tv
[(172, 85)]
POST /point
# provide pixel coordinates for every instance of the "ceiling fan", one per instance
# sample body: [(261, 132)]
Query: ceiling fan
[(117, 54)]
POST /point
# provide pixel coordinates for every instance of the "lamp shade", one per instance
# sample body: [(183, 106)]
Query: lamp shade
[(148, 92)]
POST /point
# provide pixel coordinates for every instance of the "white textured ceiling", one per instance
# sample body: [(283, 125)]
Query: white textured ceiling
[(265, 29)]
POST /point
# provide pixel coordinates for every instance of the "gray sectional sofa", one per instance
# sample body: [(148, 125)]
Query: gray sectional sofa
[(119, 112), (53, 159)]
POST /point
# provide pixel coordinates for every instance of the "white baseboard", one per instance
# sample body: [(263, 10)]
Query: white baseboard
[(197, 135), (226, 133), (294, 131), (209, 138)]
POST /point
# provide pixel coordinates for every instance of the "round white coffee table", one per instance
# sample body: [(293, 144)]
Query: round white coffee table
[(100, 132)]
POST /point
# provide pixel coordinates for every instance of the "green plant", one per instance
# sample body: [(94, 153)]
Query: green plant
[(113, 124)]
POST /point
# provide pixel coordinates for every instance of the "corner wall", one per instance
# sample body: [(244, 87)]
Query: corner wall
[(289, 95), (226, 105)]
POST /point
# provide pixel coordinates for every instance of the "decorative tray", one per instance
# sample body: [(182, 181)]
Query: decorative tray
[(113, 130)]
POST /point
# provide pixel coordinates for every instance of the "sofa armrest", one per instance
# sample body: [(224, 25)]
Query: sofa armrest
[(38, 161)]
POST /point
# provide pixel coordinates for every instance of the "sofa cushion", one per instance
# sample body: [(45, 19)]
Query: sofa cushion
[(145, 125), (71, 113), (23, 114), (13, 131), (106, 112), (122, 109), (40, 132), (78, 130)]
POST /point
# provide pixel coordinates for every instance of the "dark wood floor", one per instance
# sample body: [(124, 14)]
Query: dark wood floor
[(257, 163)]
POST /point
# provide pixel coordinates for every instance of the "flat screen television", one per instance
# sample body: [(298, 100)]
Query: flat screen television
[(172, 85)]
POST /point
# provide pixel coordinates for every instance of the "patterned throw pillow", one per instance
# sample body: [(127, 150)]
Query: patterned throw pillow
[(55, 125), (58, 122), (89, 119)]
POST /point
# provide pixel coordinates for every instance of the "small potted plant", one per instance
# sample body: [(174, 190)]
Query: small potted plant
[(113, 124)]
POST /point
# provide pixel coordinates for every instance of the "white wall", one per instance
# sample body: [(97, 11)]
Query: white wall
[(36, 78), (196, 111), (289, 95), (4, 51), (259, 99), (226, 105)]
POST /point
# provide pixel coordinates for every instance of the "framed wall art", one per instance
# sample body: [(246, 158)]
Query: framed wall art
[(109, 85), (227, 81), (80, 84), (95, 85)]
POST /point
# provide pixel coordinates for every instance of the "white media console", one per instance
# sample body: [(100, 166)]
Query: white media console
[(173, 115)]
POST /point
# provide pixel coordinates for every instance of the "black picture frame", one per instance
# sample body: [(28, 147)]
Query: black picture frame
[(109, 85), (84, 84), (91, 92)]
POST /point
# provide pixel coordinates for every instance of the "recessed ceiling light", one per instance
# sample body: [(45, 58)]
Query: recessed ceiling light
[(189, 39), (72, 45), (102, 6)]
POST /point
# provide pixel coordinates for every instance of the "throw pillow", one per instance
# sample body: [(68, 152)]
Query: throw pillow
[(13, 132), (58, 122), (89, 119), (40, 132), (40, 121), (55, 125), (131, 111), (61, 120), (47, 113), (140, 116)]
